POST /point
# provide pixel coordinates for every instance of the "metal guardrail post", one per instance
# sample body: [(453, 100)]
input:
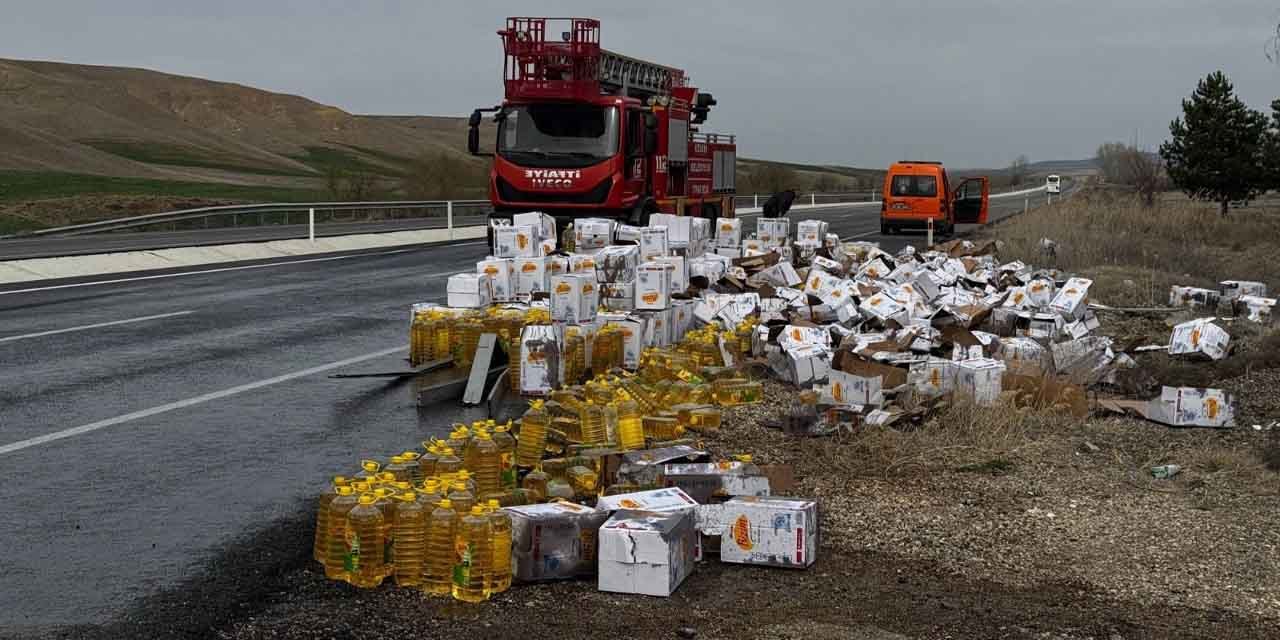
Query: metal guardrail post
[(755, 200), (311, 224), (448, 208), (813, 199)]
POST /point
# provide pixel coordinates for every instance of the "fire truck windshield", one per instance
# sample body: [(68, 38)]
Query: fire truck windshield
[(558, 135)]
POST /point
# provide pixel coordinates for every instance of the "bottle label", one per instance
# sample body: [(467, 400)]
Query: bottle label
[(351, 559), (462, 569), (508, 470)]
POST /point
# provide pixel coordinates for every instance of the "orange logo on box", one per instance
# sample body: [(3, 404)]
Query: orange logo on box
[(628, 503), (528, 267), (536, 356), (874, 273), (1017, 298), (563, 287), (587, 264), (1195, 338), (1211, 407), (875, 301), (796, 335), (907, 288), (837, 391), (522, 240), (726, 227), (815, 282), (1037, 287), (742, 533), (935, 378), (588, 288), (491, 270), (650, 298), (1070, 292), (627, 333)]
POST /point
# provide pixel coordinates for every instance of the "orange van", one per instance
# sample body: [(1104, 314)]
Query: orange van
[(917, 192)]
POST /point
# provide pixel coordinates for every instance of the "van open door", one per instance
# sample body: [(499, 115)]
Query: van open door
[(971, 199)]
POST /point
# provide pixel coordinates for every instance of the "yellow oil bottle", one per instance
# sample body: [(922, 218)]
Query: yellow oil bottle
[(368, 469), (535, 484), (703, 419), (418, 339), (573, 358), (385, 504), (533, 435), (458, 439), (429, 494), (559, 489), (437, 574), (411, 461), (593, 428), (427, 461), (731, 392), (488, 464), (500, 529), (468, 480), (321, 542), (473, 565), (661, 426), (397, 468), (447, 462), (408, 540), (461, 498), (364, 560), (466, 341), (584, 481), (506, 455), (439, 335), (630, 423), (335, 539)]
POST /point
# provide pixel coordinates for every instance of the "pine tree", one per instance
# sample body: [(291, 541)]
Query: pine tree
[(1271, 148), (1216, 150)]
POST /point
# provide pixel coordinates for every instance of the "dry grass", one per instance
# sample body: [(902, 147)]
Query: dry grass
[(1135, 253)]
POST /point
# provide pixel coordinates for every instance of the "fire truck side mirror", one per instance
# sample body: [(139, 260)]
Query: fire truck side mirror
[(473, 140), (474, 120)]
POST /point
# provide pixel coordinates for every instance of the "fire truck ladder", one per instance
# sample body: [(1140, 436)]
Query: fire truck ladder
[(637, 78)]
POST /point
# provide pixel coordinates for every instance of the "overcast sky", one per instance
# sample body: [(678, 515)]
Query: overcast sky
[(969, 82)]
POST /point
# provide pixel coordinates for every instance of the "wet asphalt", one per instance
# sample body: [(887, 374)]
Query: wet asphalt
[(132, 453)]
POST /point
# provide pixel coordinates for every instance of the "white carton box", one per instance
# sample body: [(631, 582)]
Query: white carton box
[(849, 389), (592, 233), (933, 377), (811, 232), (513, 241), (1199, 337), (572, 298), (554, 541), (770, 531), (1040, 292), (729, 232), (557, 266), (753, 247), (707, 268), (531, 276), (647, 552), (1191, 407), (679, 271), (501, 273), (701, 236), (653, 242), (470, 291), (773, 232), (1073, 299), (539, 359), (617, 263), (583, 263), (1024, 356), (980, 380), (653, 285), (678, 227), (729, 252), (628, 233), (544, 224), (632, 341), (795, 336), (808, 365), (779, 275), (659, 500), (1194, 297), (1232, 289), (705, 481), (1257, 309), (884, 308)]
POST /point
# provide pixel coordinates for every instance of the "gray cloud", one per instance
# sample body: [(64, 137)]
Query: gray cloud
[(969, 82)]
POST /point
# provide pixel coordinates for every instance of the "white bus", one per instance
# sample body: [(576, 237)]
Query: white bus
[(1053, 184)]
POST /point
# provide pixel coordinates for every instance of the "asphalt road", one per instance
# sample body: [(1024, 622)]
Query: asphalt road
[(146, 423)]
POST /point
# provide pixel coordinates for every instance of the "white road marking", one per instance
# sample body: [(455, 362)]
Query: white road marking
[(218, 270), (96, 326), (861, 235), (189, 402)]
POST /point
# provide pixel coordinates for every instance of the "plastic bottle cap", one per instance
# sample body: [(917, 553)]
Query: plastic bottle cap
[(345, 491), (483, 435), (494, 504), (447, 451), (367, 498), (387, 477), (477, 510), (408, 496), (397, 460), (446, 503), (340, 480), (463, 474)]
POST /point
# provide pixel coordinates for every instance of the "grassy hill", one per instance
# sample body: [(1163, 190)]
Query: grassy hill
[(83, 142)]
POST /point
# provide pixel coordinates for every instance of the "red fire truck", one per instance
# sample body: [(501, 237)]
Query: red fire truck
[(583, 131)]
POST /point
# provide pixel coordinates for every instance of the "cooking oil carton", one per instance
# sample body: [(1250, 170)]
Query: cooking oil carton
[(617, 263), (629, 233), (933, 377), (819, 282), (763, 530), (1016, 298), (469, 291), (830, 266), (659, 500), (808, 365), (1233, 289), (583, 263), (979, 379), (1194, 297), (847, 389), (1255, 308), (811, 232), (1072, 300), (531, 276), (796, 336), (729, 251), (544, 225), (707, 267), (501, 273), (539, 359), (710, 481), (644, 468), (1200, 338), (618, 296), (1191, 407), (884, 308), (679, 271), (1024, 356), (593, 233), (572, 298), (653, 285), (701, 237), (778, 275), (753, 247), (647, 552), (832, 242), (677, 227), (773, 232), (653, 242), (554, 541), (557, 265), (729, 232), (1041, 292), (514, 241), (632, 341)]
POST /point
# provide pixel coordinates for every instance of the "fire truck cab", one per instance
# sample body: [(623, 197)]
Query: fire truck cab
[(584, 132)]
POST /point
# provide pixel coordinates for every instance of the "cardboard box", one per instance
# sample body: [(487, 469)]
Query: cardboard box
[(1201, 338), (647, 552), (778, 275), (469, 291), (515, 241), (753, 246), (808, 365), (1085, 360), (632, 341), (657, 500), (592, 233), (706, 481), (572, 298), (1024, 356), (1233, 289), (811, 232), (628, 233), (700, 237), (644, 468), (653, 285), (583, 263), (796, 336), (531, 276), (1255, 308), (501, 274), (1073, 299), (557, 266), (979, 380), (1193, 297), (768, 531), (539, 359), (617, 263), (554, 541), (1181, 407), (679, 271), (729, 252), (729, 232), (653, 242), (884, 308), (848, 389), (933, 377), (679, 228), (773, 232), (1041, 292), (543, 224)]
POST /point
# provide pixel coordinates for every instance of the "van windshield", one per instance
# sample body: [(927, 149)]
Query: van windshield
[(914, 186)]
